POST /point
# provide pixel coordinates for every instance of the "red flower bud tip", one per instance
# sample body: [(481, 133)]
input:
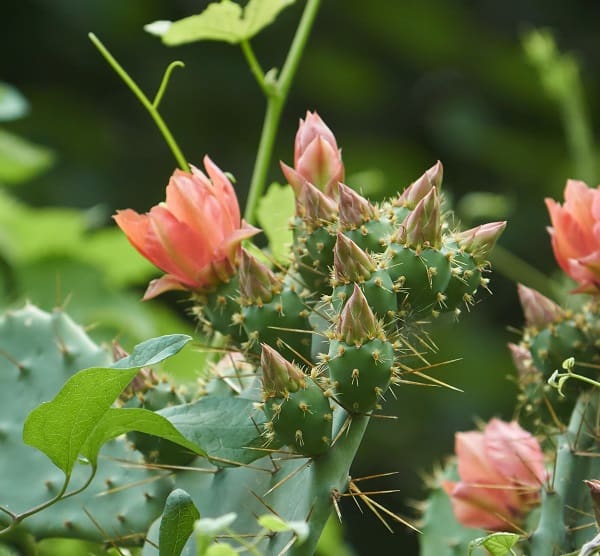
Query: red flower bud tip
[(258, 283), (316, 155), (538, 309), (501, 473), (280, 377), (314, 206), (195, 236), (575, 234), (522, 361), (357, 322), (355, 210), (419, 188), (479, 241), (423, 226), (350, 262)]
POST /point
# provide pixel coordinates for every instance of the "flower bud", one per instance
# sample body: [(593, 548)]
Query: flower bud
[(423, 226), (421, 187), (280, 377), (357, 322), (522, 360), (350, 262), (355, 210), (258, 283), (316, 155), (479, 241), (538, 309), (314, 206)]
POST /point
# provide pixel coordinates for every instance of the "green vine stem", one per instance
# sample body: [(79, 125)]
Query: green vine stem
[(276, 92), (151, 106)]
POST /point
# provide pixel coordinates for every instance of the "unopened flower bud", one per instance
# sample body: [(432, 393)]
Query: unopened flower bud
[(316, 155), (314, 206), (479, 241), (357, 322), (422, 186), (355, 210), (350, 262), (280, 377), (522, 360), (258, 283), (422, 226), (538, 309)]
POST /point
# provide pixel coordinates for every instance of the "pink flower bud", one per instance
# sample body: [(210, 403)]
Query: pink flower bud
[(257, 283), (316, 155), (195, 236), (280, 377), (314, 206), (357, 322), (501, 473), (354, 209), (538, 309), (423, 226), (422, 186), (522, 361), (479, 241), (350, 262), (575, 234)]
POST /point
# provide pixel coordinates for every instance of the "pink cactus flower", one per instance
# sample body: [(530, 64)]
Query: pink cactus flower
[(501, 473), (575, 234), (194, 236), (317, 158)]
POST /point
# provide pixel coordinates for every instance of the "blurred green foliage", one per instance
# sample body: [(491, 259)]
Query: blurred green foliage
[(402, 84)]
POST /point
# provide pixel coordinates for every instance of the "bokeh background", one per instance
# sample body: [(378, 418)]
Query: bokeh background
[(402, 84)]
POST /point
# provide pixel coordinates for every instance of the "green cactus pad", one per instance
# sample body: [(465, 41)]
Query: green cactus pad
[(421, 277), (557, 342), (281, 324), (466, 278), (379, 291), (314, 256), (219, 309), (372, 235), (41, 351), (360, 374), (303, 420)]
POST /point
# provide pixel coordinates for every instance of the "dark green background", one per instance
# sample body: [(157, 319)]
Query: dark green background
[(402, 84)]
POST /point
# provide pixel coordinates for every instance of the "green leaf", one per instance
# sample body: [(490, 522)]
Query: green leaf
[(222, 426), (177, 523), (221, 549), (21, 160), (153, 351), (274, 212), (59, 428), (206, 529), (118, 421), (13, 104), (278, 525), (224, 21), (497, 544)]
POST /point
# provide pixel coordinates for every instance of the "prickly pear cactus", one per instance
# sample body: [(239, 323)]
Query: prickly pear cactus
[(40, 351)]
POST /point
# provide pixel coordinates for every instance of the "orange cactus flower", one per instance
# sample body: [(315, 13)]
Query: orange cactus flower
[(501, 473), (194, 236), (575, 234)]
